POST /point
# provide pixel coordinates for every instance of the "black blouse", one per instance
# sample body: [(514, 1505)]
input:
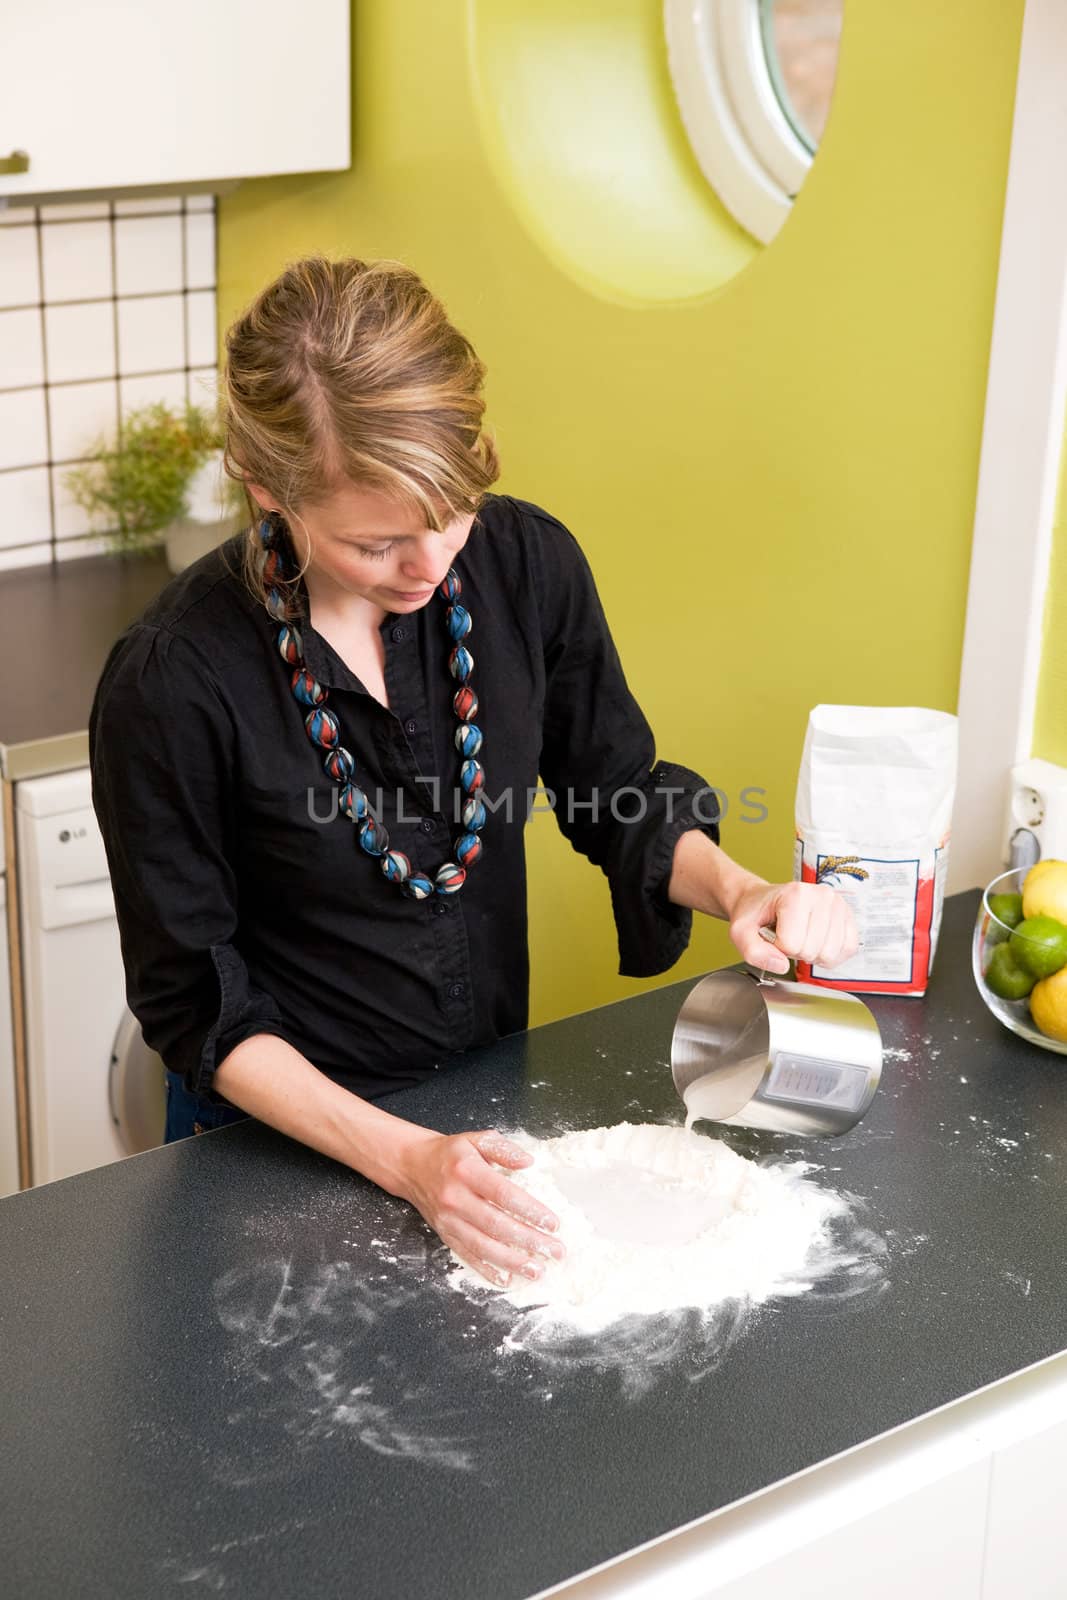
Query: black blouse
[(245, 904)]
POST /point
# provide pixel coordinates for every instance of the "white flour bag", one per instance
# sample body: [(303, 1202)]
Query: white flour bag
[(874, 805)]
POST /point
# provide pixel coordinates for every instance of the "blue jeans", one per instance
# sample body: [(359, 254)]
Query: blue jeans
[(188, 1114)]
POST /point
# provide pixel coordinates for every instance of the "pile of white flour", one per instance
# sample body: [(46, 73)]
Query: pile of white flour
[(658, 1218)]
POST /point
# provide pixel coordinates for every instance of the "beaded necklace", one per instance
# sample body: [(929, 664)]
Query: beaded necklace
[(324, 731)]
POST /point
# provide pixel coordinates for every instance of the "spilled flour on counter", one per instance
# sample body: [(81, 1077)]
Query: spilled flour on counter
[(657, 1219)]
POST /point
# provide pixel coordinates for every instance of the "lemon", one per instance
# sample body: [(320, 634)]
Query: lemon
[(1005, 977), (1048, 1006), (1007, 908), (1039, 944), (1045, 890)]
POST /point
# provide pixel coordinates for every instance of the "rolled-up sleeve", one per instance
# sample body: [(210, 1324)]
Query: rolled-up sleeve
[(614, 801), (162, 757)]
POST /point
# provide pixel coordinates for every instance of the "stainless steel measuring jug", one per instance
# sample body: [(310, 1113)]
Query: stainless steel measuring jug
[(788, 1057)]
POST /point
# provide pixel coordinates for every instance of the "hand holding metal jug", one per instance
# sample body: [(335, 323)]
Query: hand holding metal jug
[(768, 1053)]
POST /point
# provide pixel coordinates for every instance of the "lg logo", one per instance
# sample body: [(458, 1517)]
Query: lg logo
[(72, 833)]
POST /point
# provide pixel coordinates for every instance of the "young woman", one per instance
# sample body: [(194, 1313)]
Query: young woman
[(320, 888)]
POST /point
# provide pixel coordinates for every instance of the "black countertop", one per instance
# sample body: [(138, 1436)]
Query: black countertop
[(232, 1366), (60, 622)]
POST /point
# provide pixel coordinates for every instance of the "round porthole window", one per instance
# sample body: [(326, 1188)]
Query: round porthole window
[(753, 80)]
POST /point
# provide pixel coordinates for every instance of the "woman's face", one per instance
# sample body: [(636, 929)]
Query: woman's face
[(366, 544)]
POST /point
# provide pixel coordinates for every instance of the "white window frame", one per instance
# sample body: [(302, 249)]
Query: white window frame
[(742, 139)]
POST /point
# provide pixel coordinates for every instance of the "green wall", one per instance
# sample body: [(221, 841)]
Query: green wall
[(775, 479)]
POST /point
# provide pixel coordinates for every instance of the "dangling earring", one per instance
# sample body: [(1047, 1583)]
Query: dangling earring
[(275, 566)]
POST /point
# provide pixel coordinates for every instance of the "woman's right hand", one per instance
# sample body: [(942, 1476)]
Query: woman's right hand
[(493, 1225), (454, 1180)]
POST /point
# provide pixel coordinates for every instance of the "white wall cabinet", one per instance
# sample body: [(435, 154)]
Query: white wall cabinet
[(129, 94)]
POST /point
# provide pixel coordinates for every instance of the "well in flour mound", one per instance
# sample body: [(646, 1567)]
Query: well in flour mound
[(659, 1218)]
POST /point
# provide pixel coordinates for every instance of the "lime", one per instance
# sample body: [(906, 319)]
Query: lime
[(1048, 1006), (1039, 945), (1007, 908), (1005, 977)]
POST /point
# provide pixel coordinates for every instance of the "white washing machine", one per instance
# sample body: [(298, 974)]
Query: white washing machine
[(96, 1091), (9, 1138)]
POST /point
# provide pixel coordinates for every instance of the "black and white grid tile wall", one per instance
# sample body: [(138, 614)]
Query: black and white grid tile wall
[(103, 307)]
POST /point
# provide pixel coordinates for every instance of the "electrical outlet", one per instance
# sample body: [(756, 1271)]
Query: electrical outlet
[(1037, 807)]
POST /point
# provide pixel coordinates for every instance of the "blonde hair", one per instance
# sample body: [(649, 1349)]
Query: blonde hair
[(350, 370)]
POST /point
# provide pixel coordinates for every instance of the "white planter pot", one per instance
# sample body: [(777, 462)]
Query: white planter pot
[(207, 521), (187, 539)]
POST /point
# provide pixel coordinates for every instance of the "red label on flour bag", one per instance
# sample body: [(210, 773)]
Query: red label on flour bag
[(874, 804)]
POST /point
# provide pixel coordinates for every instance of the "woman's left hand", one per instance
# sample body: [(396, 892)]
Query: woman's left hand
[(812, 921)]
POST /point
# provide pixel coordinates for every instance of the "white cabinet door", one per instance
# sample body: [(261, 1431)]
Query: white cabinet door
[(126, 93), (1024, 1544), (927, 1545), (9, 1142)]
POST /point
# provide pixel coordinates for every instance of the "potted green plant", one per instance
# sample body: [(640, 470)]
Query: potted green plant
[(160, 482)]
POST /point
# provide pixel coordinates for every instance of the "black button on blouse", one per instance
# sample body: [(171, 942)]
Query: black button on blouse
[(245, 904)]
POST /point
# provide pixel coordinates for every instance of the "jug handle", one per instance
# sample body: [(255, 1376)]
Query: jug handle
[(771, 937)]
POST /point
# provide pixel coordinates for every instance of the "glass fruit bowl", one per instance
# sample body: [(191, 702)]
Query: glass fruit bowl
[(1000, 976)]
